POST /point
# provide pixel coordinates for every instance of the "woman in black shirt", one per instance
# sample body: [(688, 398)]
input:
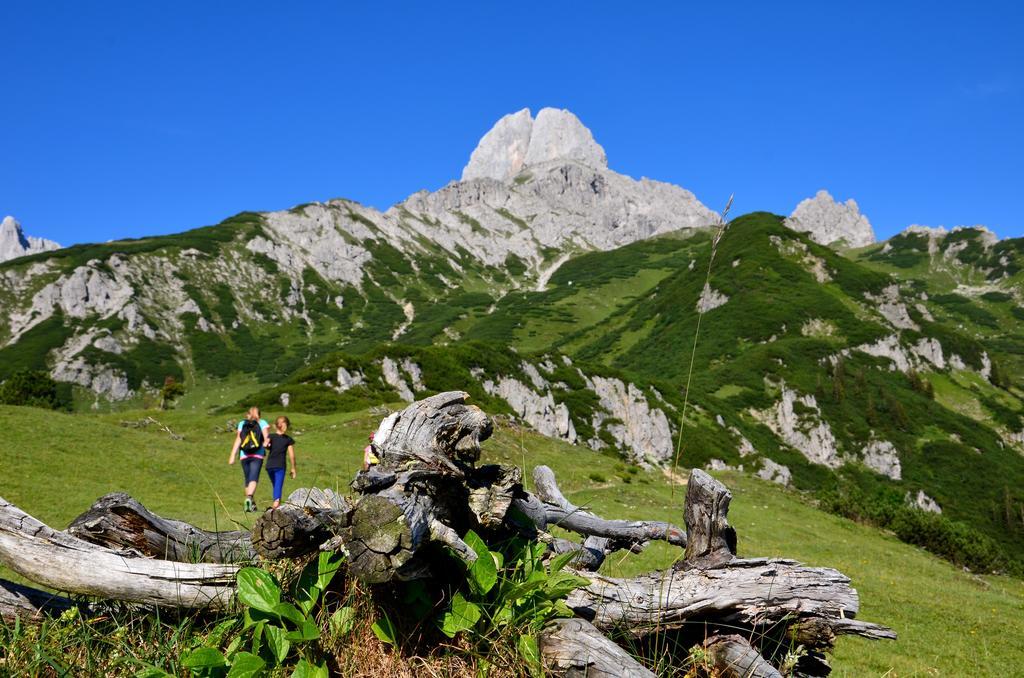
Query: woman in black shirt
[(280, 443)]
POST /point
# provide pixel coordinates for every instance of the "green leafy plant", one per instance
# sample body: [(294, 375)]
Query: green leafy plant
[(275, 626), (510, 591)]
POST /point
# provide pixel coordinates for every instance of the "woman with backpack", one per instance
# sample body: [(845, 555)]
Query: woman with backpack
[(251, 437)]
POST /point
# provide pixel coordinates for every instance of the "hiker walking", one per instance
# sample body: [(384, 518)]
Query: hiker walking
[(250, 440), (280, 443)]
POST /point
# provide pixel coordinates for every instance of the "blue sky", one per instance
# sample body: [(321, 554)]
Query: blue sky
[(130, 119)]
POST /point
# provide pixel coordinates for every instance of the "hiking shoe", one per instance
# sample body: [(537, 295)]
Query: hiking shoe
[(250, 505)]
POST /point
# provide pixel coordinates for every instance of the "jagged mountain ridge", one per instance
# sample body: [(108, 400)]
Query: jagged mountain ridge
[(88, 313)]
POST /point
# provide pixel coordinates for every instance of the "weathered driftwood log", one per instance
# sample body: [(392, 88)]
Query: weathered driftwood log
[(300, 525), (29, 604), (426, 489), (731, 656), (65, 563), (723, 593), (120, 522), (573, 648)]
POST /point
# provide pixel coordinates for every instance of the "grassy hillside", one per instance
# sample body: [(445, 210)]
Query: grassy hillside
[(950, 622)]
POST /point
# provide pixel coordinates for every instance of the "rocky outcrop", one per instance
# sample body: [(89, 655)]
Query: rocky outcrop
[(881, 456), (394, 378), (710, 299), (829, 222), (923, 502), (640, 430), (539, 410), (14, 243), (796, 419), (518, 141), (774, 473)]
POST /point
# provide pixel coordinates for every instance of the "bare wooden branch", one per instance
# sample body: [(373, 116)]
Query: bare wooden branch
[(626, 533), (120, 522), (731, 656), (711, 540), (575, 649), (65, 563)]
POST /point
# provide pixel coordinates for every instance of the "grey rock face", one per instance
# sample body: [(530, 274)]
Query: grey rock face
[(827, 221), (881, 456), (14, 243), (804, 431), (923, 502), (774, 473), (536, 409), (518, 141), (644, 431), (502, 151)]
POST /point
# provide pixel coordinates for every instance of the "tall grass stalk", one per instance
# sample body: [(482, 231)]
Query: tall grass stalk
[(723, 225)]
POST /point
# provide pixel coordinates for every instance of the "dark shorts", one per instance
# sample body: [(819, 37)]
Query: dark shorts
[(251, 469)]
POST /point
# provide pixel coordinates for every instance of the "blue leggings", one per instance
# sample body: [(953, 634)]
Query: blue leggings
[(277, 478)]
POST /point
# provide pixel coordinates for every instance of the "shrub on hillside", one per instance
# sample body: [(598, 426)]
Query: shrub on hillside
[(952, 540), (33, 388)]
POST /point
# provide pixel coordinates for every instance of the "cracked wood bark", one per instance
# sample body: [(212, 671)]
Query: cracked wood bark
[(425, 489), (731, 656), (573, 648), (120, 522), (65, 563), (711, 540), (301, 524)]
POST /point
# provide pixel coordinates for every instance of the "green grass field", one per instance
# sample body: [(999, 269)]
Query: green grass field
[(951, 622)]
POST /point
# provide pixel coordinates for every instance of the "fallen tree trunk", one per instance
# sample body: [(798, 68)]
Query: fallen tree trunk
[(300, 525), (120, 522), (723, 593), (573, 648), (65, 563)]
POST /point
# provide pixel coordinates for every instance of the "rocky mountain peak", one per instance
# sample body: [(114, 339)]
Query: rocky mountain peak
[(827, 221), (518, 141), (14, 243)]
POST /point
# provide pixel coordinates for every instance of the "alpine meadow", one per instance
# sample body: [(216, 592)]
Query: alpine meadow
[(861, 402)]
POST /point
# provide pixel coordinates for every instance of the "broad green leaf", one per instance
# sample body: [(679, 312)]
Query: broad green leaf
[(328, 565), (233, 646), (306, 670), (289, 612), (257, 637), (216, 636), (530, 652), (483, 574), (559, 562), (204, 658), (306, 590), (342, 621), (385, 630), (256, 588), (307, 630), (277, 643), (461, 616), (246, 665)]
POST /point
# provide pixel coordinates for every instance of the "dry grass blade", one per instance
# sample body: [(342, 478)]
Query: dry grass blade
[(701, 309)]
